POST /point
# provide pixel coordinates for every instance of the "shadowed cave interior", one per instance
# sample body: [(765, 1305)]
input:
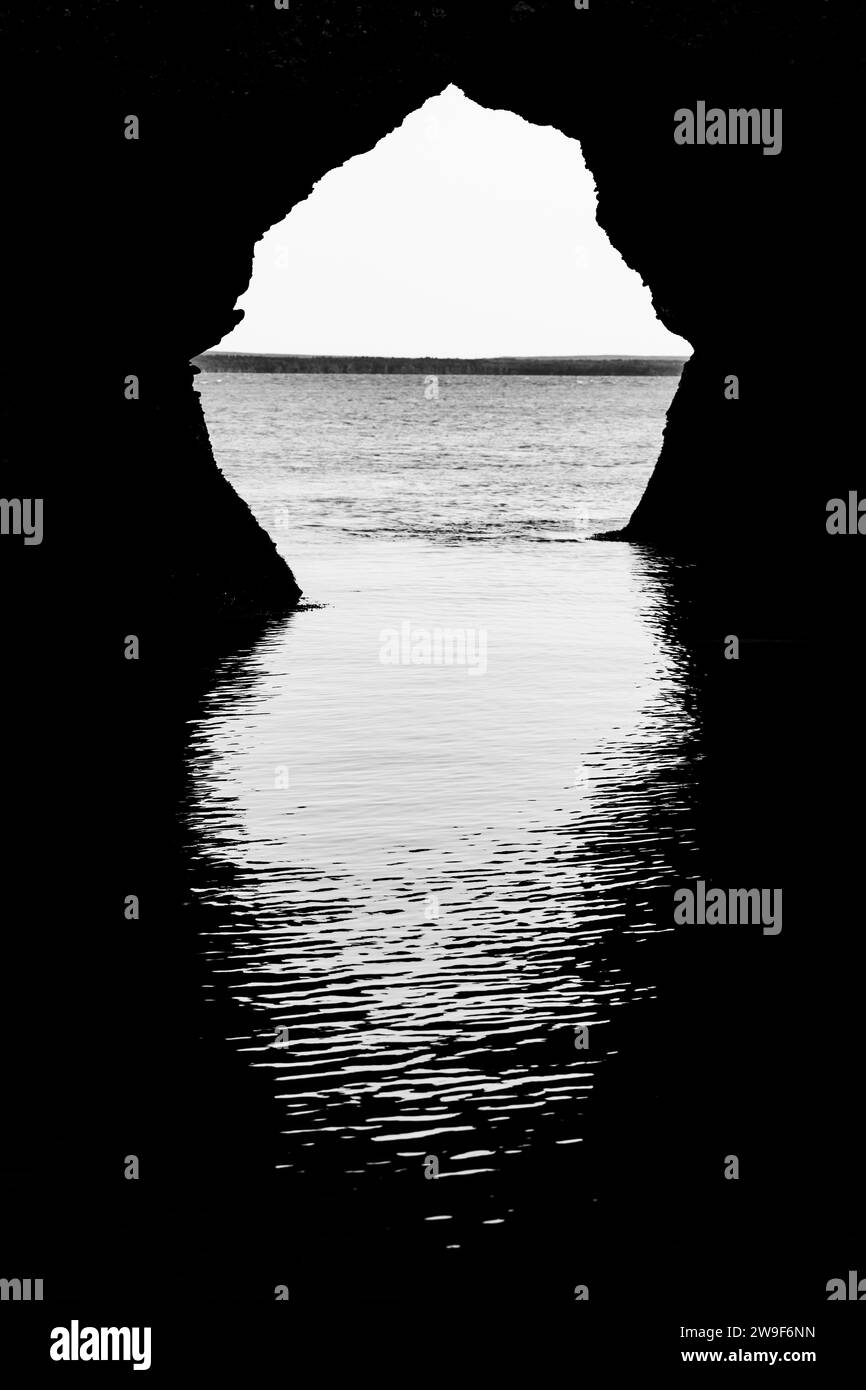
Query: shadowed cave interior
[(246, 117), (708, 286)]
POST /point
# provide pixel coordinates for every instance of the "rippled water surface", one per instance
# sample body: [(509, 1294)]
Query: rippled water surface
[(420, 874)]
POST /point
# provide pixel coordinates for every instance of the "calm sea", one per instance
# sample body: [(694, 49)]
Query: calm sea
[(421, 872)]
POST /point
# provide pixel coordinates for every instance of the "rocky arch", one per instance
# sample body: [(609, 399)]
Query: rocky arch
[(300, 94)]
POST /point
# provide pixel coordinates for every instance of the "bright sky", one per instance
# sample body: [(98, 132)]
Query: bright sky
[(466, 233)]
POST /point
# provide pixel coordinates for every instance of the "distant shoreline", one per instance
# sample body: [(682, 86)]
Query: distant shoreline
[(440, 366)]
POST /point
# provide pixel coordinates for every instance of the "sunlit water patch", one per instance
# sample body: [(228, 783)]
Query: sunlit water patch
[(419, 875)]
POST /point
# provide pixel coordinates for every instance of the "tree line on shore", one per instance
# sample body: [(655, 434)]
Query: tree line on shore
[(442, 366)]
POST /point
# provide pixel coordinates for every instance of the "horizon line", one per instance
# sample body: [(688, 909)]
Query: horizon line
[(458, 357)]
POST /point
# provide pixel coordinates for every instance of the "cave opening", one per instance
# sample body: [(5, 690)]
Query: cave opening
[(431, 404), (464, 244)]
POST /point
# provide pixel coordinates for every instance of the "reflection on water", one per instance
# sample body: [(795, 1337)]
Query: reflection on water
[(420, 878)]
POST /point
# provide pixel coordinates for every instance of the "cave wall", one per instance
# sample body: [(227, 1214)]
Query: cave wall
[(108, 272), (245, 108)]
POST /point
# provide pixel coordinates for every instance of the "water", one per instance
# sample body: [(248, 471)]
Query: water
[(426, 873)]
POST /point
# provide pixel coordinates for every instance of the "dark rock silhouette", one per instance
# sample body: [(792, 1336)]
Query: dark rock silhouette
[(239, 126), (754, 261)]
